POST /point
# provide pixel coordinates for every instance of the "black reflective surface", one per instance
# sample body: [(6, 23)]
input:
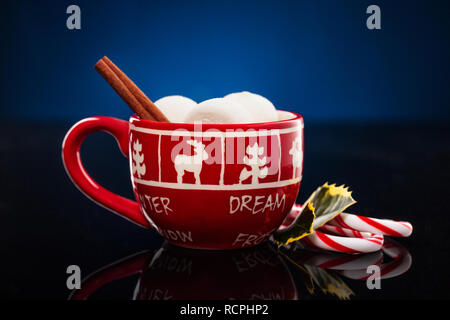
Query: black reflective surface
[(396, 171)]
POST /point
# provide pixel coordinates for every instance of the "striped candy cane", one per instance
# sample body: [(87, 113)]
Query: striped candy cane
[(379, 226), (352, 233), (360, 242)]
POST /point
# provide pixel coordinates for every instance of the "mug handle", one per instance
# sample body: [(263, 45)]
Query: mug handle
[(73, 140)]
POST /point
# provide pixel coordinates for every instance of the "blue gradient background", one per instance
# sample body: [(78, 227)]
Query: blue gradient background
[(313, 57)]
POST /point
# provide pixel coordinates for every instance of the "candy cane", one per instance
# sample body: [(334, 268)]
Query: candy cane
[(355, 234), (385, 227), (340, 231), (364, 242), (379, 226)]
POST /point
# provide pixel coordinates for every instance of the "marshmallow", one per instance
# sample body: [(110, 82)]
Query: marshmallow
[(219, 110), (284, 115), (259, 107), (175, 108)]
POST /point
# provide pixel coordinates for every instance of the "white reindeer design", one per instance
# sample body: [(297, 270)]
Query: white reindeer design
[(296, 153), (191, 163)]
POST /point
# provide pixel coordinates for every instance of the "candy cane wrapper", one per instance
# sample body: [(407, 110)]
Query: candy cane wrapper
[(323, 205)]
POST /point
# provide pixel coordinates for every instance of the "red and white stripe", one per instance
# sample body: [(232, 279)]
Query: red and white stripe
[(355, 266), (338, 261), (339, 231), (379, 226), (349, 233), (361, 243), (401, 263)]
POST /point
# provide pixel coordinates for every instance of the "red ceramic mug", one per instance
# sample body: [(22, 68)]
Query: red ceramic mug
[(210, 186)]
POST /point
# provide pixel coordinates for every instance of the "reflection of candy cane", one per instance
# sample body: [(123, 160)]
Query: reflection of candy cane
[(402, 262), (355, 266), (379, 226), (338, 261), (363, 242)]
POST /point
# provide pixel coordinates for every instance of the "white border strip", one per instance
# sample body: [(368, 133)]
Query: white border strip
[(217, 134), (222, 166), (159, 158), (279, 157), (191, 186)]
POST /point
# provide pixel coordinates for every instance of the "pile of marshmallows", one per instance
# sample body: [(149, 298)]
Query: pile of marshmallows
[(240, 107)]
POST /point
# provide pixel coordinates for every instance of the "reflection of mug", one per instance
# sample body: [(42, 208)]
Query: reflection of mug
[(180, 274), (210, 186)]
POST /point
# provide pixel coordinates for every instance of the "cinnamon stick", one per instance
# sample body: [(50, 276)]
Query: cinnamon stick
[(138, 94), (122, 90)]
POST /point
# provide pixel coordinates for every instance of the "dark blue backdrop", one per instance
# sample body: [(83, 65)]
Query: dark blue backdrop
[(314, 57)]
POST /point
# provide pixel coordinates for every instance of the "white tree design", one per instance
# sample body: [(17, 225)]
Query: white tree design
[(138, 159), (296, 153), (257, 164)]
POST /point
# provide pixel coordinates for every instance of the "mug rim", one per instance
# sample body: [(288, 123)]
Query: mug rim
[(278, 124)]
